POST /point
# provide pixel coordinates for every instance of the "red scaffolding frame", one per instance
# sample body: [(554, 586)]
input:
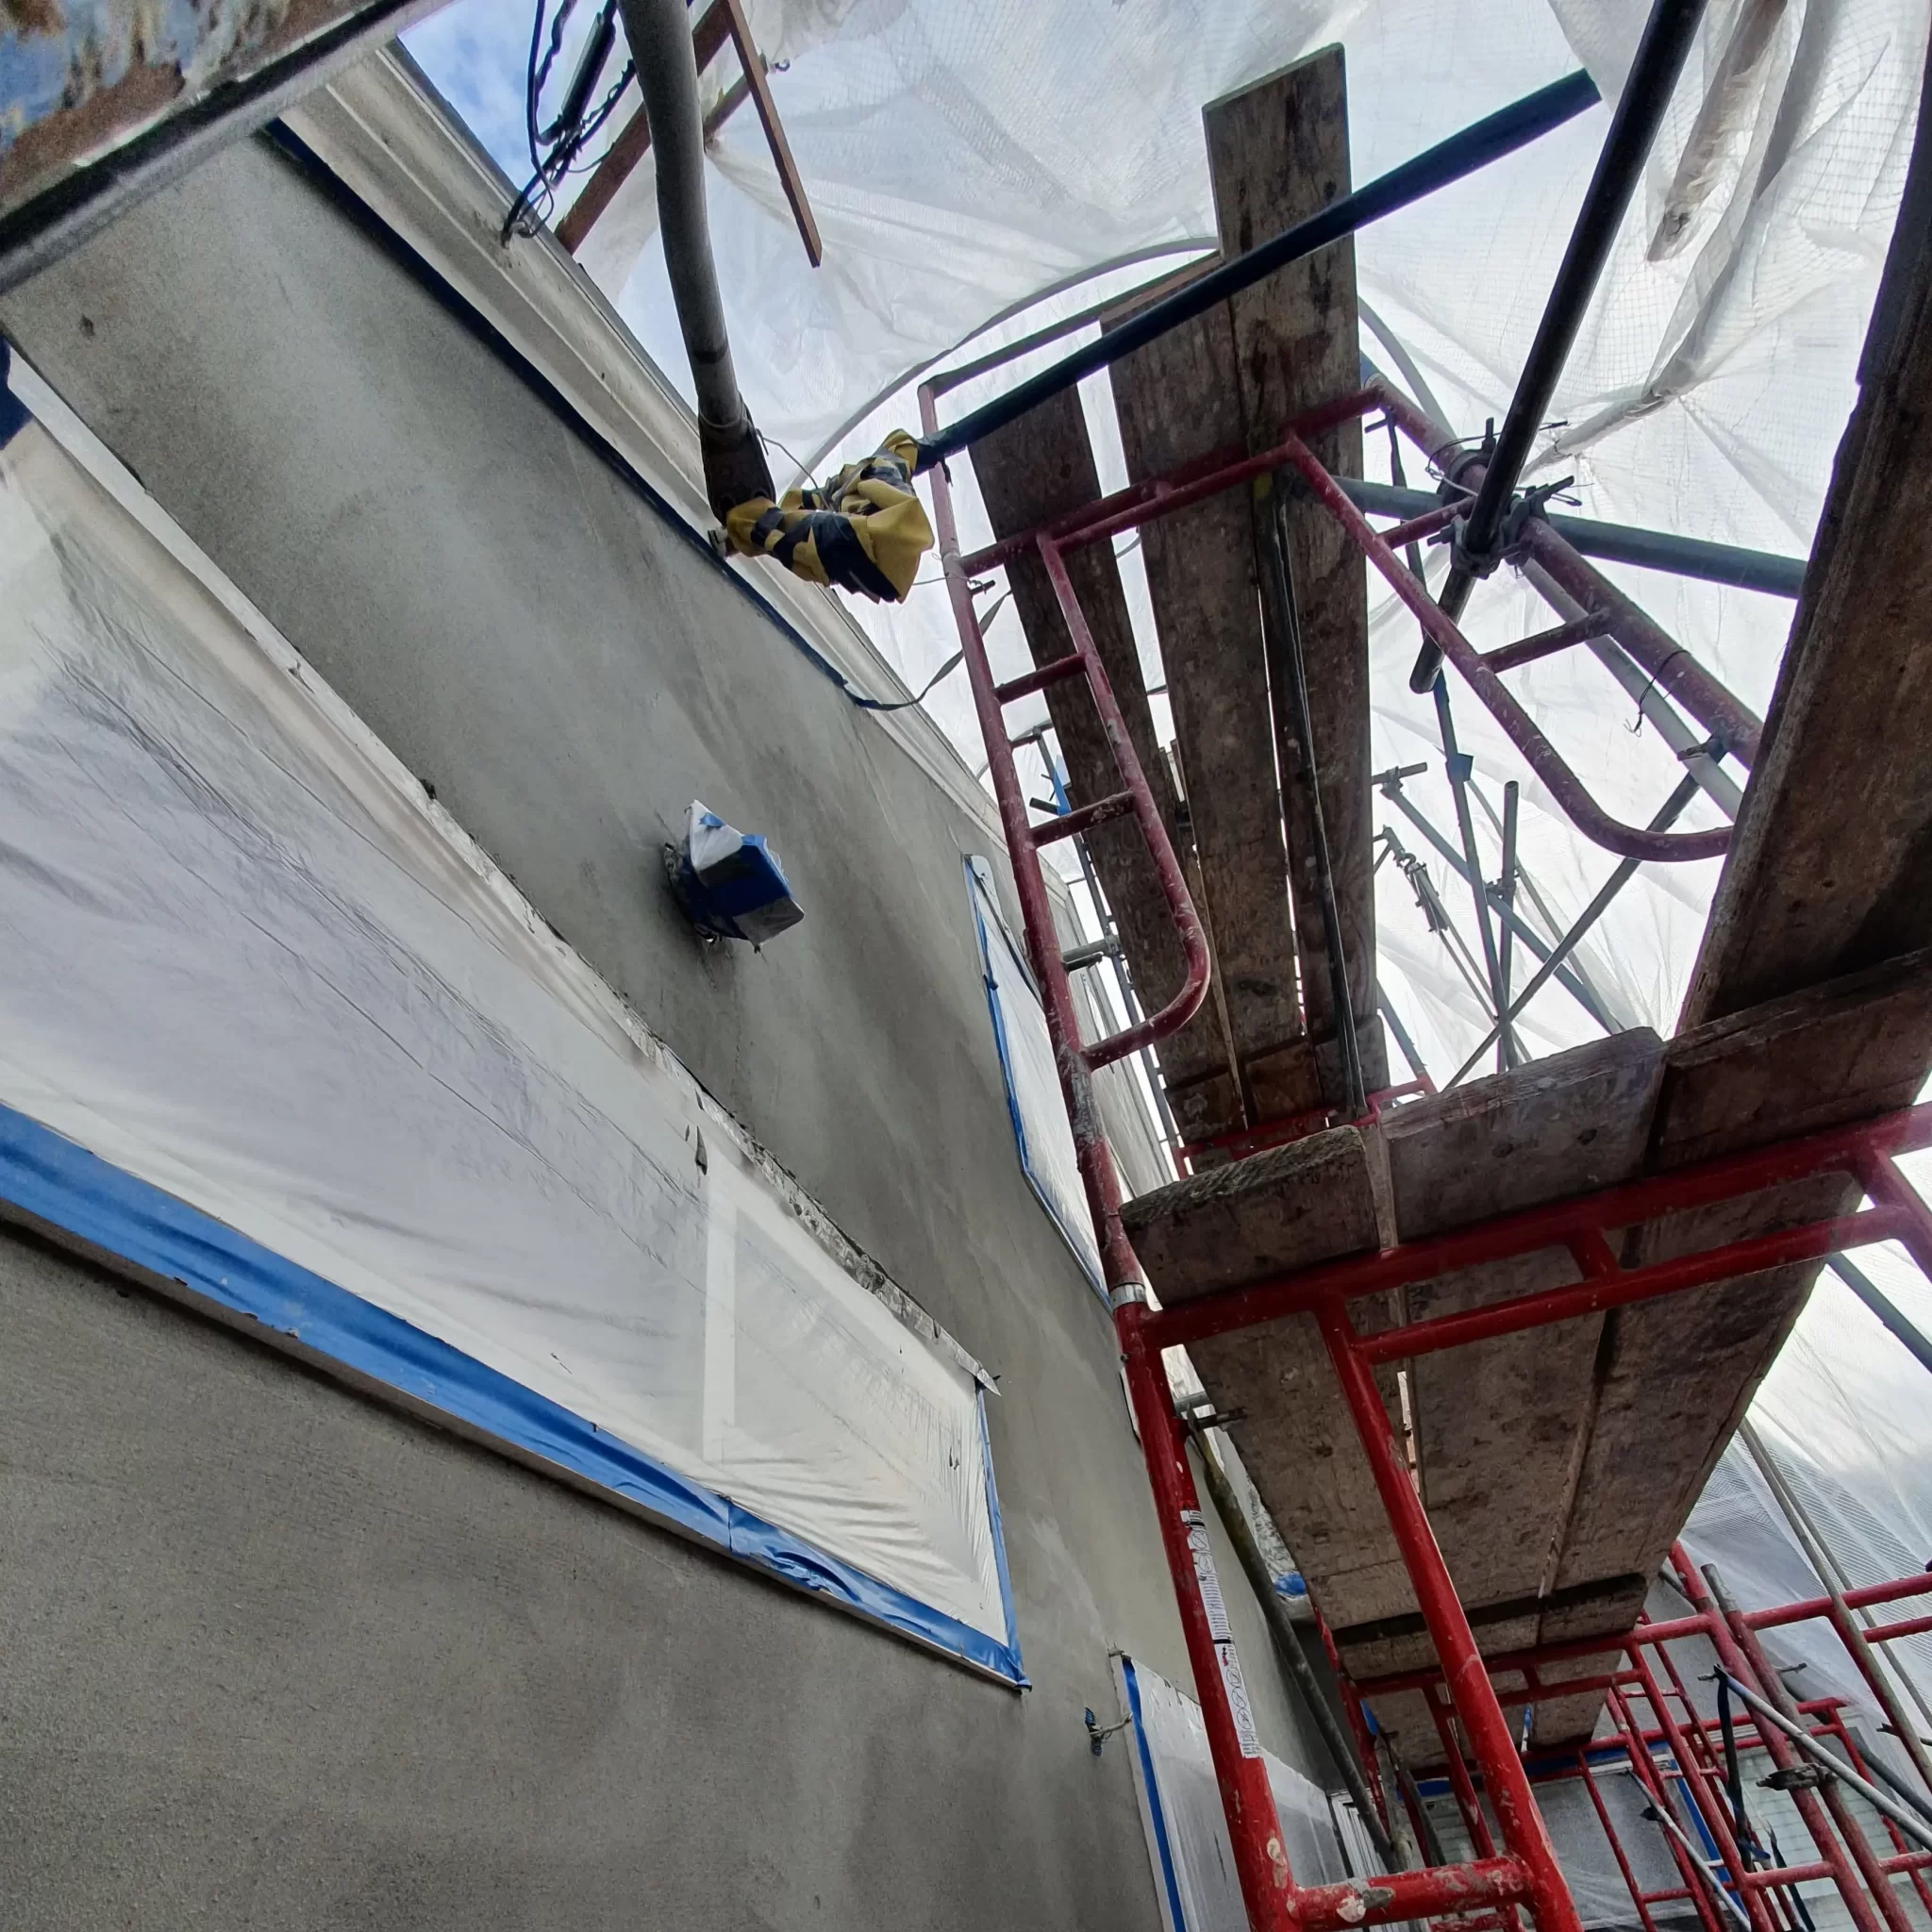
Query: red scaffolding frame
[(1680, 1743), (1525, 1869)]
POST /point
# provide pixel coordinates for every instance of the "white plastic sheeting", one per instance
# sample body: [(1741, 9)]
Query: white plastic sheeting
[(1044, 1140), (1589, 1866), (966, 159), (1194, 1864), (969, 158), (1843, 1418), (245, 961)]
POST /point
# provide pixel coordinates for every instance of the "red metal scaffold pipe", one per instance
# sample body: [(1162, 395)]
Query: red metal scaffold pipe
[(1253, 1828), (1528, 1871)]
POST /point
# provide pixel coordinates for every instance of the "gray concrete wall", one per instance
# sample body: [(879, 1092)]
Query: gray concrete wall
[(276, 1655)]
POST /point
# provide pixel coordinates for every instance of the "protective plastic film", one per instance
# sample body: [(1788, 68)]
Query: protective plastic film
[(1187, 1832), (1033, 1081), (246, 961)]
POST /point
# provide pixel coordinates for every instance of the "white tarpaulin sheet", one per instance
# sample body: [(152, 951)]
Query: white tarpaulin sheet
[(245, 961), (966, 157), (1033, 1083), (1187, 1828)]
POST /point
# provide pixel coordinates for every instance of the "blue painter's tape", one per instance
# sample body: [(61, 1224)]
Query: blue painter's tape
[(1155, 1808), (14, 412), (62, 1185), (999, 1530)]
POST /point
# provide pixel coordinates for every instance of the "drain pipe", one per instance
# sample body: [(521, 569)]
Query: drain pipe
[(661, 45), (1641, 109)]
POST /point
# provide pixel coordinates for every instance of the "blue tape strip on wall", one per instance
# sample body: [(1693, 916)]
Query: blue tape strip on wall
[(60, 1185), (14, 412), (999, 1531), (1155, 1810)]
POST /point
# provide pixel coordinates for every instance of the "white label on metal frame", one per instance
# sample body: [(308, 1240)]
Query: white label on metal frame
[(1215, 1606), (1210, 1585), (1237, 1689)]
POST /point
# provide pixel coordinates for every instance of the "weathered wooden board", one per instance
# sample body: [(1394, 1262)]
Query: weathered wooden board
[(1039, 467), (1277, 152), (1681, 1371), (1830, 867), (1284, 1210), (1175, 400), (1500, 1425)]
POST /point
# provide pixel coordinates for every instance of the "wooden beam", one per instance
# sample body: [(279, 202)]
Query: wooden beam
[(1039, 467), (1679, 1373), (1831, 867), (1498, 1423), (789, 177), (1176, 399), (1279, 151)]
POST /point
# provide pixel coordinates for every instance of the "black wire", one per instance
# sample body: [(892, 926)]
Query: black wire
[(556, 151)]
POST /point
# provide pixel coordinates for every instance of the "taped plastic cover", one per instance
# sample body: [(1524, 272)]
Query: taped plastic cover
[(1181, 1803), (1033, 1083), (277, 1028)]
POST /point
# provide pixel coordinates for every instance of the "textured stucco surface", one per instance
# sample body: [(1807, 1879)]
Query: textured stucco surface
[(276, 1656)]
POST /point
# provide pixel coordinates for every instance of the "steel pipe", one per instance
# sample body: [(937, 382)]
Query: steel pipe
[(1474, 148), (1680, 557), (1448, 1626), (1653, 78), (1908, 1820), (1741, 1653), (1288, 1647), (1582, 810), (661, 45), (1625, 871)]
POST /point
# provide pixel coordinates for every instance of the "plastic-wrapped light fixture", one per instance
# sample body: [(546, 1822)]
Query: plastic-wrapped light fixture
[(729, 882)]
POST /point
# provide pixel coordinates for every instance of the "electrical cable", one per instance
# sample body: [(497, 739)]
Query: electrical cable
[(557, 150)]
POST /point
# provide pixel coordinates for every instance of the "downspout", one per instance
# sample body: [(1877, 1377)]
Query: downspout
[(734, 458)]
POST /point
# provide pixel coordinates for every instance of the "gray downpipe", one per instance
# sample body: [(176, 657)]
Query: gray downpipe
[(660, 44)]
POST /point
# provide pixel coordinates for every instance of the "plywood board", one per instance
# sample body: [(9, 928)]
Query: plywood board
[(1500, 1422), (1682, 1370)]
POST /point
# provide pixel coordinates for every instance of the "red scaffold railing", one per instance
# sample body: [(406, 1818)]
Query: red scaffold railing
[(1525, 1870), (1683, 1749)]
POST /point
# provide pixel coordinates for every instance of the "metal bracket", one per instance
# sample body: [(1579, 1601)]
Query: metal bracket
[(1098, 1734)]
